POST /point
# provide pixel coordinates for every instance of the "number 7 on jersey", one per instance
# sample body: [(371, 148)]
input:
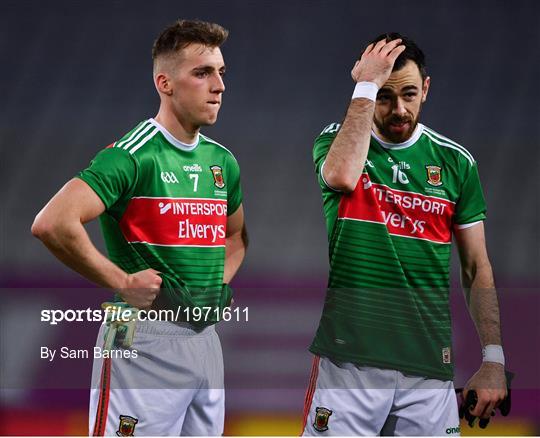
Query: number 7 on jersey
[(194, 176)]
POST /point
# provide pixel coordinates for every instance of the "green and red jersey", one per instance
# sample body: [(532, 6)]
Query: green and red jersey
[(167, 205), (389, 252)]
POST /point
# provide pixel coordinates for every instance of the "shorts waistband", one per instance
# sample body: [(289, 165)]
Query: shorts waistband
[(174, 329)]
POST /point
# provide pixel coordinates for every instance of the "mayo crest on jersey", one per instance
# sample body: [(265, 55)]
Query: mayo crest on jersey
[(389, 252), (163, 208)]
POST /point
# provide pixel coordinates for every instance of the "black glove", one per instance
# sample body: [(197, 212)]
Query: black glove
[(472, 399)]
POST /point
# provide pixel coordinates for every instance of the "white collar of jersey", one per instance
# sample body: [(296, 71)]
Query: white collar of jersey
[(174, 141), (414, 138)]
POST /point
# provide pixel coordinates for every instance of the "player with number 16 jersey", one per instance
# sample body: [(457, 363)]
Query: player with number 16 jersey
[(391, 239), (395, 193)]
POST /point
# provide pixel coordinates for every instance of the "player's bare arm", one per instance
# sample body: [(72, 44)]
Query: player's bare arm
[(489, 381), (345, 161), (236, 242), (60, 226)]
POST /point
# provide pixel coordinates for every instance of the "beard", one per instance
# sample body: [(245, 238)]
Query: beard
[(397, 129)]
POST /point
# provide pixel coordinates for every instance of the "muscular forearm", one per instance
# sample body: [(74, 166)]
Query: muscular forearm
[(489, 381), (483, 303), (59, 225), (346, 158), (477, 279), (70, 243), (235, 250)]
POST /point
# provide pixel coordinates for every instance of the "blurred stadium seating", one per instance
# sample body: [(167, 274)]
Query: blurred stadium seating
[(78, 75)]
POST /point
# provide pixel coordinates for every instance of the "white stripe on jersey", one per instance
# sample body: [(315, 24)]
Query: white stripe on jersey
[(144, 140), (331, 128), (179, 199), (121, 143), (139, 135), (464, 226), (460, 149), (217, 144), (442, 138), (177, 246)]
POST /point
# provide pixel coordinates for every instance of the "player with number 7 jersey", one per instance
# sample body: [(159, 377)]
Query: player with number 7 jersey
[(170, 207), (167, 205)]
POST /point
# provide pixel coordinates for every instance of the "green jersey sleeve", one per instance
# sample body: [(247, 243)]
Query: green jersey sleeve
[(471, 205), (330, 196), (112, 174), (234, 191), (320, 151)]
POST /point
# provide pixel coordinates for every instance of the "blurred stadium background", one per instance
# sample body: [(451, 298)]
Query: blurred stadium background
[(77, 75)]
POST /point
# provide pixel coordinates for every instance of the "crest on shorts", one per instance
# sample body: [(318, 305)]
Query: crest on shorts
[(322, 415), (126, 426), (218, 176), (446, 357), (434, 175)]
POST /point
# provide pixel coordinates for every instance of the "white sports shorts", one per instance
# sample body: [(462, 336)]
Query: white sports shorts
[(347, 399), (174, 385)]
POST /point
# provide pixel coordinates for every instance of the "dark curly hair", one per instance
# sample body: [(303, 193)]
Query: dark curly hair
[(412, 52)]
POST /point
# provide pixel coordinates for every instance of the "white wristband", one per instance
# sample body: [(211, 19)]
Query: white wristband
[(493, 353), (367, 90)]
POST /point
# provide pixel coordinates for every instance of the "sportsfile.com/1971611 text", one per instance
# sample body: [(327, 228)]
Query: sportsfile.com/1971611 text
[(186, 314)]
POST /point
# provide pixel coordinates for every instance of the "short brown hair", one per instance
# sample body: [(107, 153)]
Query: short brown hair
[(185, 32)]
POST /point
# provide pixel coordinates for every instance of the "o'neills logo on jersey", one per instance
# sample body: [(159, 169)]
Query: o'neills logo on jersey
[(404, 213), (175, 221)]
